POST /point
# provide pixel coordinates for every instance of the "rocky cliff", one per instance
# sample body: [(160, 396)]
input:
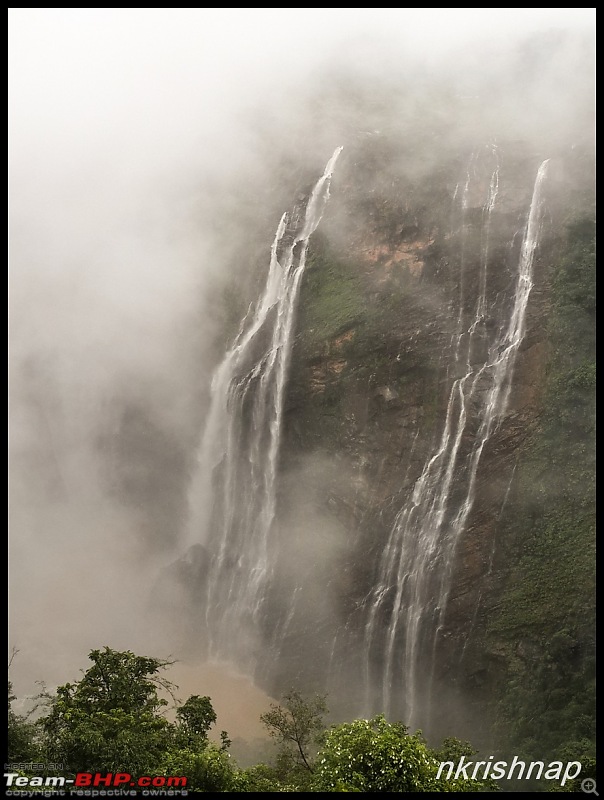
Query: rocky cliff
[(395, 271)]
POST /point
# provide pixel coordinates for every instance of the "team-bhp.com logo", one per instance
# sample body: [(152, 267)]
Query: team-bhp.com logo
[(96, 784)]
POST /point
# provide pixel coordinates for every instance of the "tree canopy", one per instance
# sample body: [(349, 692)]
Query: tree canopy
[(111, 719), (115, 719)]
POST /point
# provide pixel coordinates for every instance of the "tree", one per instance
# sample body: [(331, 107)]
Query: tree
[(260, 778), (296, 726), (207, 770), (380, 756), (207, 767), (21, 735), (110, 720), (196, 717)]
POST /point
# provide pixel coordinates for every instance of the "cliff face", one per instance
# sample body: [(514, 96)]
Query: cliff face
[(389, 297)]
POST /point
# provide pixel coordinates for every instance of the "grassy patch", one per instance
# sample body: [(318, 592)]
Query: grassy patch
[(331, 300)]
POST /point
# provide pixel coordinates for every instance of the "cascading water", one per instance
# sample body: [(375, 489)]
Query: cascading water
[(404, 612), (233, 497)]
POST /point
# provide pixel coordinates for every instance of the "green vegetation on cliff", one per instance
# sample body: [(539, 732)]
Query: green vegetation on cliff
[(545, 621), (351, 357), (332, 299)]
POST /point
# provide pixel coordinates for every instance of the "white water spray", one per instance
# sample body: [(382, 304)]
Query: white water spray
[(233, 497), (405, 610)]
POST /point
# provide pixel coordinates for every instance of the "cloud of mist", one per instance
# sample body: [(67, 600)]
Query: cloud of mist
[(140, 155)]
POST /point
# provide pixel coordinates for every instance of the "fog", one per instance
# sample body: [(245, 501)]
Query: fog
[(144, 154)]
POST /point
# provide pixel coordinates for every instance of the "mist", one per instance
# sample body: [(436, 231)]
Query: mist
[(152, 153)]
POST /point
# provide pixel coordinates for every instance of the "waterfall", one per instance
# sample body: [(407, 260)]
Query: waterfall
[(233, 495), (404, 612)]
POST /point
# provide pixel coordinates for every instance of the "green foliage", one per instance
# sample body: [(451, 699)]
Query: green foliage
[(331, 298), (111, 720), (21, 735), (264, 778), (575, 279), (196, 717), (336, 297), (207, 770), (452, 749), (117, 680), (379, 756), (296, 726), (545, 620), (588, 770), (348, 343)]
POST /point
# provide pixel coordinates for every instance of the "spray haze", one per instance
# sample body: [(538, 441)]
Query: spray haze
[(152, 154)]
